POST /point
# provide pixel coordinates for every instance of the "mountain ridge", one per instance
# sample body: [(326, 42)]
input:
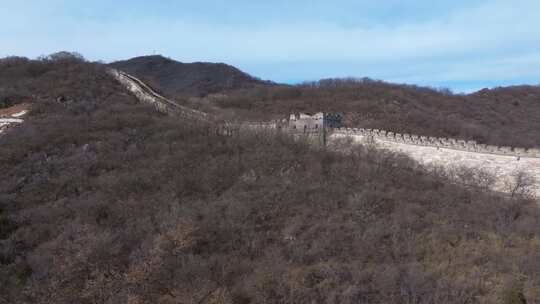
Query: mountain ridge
[(187, 79)]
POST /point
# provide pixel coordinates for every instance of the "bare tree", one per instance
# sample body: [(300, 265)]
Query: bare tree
[(521, 184)]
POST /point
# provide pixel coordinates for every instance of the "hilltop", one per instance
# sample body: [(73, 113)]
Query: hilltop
[(179, 79)]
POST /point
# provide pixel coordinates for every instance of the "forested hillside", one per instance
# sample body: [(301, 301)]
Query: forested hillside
[(103, 200), (181, 80)]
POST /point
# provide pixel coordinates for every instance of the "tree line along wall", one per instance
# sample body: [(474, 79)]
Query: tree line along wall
[(164, 105)]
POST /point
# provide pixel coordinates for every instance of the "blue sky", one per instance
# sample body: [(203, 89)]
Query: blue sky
[(463, 45)]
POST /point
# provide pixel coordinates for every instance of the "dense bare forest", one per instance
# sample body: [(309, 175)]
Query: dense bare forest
[(103, 200)]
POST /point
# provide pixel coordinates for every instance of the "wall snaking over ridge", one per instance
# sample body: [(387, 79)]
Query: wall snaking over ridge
[(145, 94), (502, 162)]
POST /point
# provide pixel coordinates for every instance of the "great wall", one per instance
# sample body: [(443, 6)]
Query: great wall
[(147, 95), (501, 162), (504, 163)]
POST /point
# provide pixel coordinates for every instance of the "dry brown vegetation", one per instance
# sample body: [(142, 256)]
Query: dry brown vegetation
[(103, 200)]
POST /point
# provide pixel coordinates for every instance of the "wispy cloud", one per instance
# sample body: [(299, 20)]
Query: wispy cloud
[(471, 43)]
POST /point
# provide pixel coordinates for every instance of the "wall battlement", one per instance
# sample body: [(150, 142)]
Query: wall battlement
[(439, 142)]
